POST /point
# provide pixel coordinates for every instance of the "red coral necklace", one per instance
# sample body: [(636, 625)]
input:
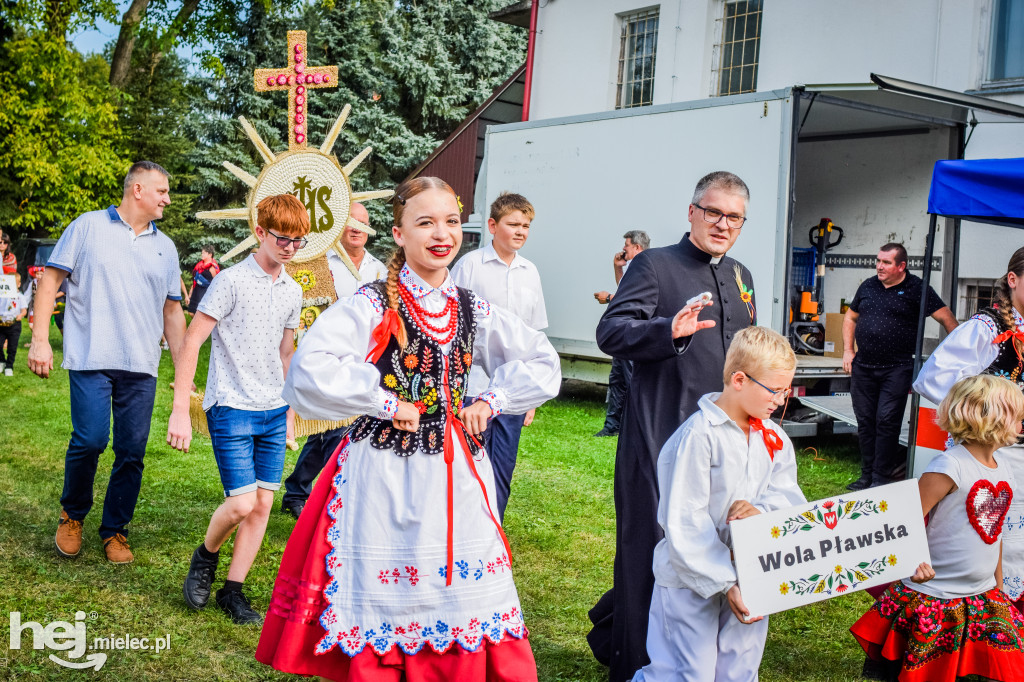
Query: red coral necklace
[(425, 319)]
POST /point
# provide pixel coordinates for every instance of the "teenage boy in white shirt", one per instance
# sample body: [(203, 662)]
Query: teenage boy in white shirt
[(252, 310), (498, 274), (726, 462)]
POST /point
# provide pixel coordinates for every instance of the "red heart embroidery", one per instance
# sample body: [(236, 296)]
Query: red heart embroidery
[(987, 506)]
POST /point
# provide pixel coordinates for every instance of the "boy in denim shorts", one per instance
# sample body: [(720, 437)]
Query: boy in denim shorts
[(252, 310)]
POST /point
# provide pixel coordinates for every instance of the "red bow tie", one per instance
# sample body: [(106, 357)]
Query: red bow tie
[(772, 440)]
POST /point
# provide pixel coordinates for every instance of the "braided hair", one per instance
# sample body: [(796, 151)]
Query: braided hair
[(1003, 298), (405, 191)]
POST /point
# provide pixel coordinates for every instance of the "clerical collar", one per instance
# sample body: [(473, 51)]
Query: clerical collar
[(691, 250)]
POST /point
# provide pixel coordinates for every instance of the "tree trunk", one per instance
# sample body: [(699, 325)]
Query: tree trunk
[(126, 43), (188, 8)]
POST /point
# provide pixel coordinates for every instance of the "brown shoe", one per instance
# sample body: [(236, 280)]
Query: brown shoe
[(69, 536), (118, 551)]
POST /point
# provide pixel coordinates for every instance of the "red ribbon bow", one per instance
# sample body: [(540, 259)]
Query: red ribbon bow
[(772, 440), (1015, 333), (382, 333)]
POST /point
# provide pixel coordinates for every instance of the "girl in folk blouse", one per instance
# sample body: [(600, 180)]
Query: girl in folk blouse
[(398, 567), (952, 619)]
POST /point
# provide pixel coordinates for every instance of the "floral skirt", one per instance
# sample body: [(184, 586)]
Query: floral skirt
[(938, 640), (302, 603)]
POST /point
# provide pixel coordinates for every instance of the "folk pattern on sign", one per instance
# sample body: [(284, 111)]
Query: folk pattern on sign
[(840, 579), (828, 514)]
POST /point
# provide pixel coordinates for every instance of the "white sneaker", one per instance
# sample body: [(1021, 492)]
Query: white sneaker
[(8, 372)]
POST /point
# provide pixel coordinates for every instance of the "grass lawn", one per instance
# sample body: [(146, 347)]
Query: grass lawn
[(560, 522)]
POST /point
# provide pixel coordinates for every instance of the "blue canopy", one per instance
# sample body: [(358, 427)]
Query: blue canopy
[(982, 190)]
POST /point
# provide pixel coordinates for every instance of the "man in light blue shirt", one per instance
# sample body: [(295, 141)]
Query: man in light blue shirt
[(123, 291)]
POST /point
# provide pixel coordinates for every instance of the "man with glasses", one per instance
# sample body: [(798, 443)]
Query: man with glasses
[(123, 294), (678, 352)]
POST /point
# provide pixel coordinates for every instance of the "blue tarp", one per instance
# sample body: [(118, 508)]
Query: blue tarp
[(982, 190)]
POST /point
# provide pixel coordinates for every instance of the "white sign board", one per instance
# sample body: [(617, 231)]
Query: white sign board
[(7, 286), (797, 556)]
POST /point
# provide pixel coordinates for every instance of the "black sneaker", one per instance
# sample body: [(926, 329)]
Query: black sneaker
[(237, 607), (294, 509), (199, 580), (605, 432), (861, 483)]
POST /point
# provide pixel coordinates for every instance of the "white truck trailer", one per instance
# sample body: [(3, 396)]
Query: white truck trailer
[(861, 155)]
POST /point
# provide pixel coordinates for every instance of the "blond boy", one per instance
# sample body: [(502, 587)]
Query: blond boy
[(726, 462)]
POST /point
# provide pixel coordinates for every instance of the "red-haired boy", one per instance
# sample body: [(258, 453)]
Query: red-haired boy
[(252, 310)]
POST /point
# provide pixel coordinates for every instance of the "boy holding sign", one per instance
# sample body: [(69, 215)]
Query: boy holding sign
[(726, 462)]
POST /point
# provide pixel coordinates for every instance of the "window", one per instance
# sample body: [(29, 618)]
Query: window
[(1008, 40), (736, 54), (637, 49), (977, 294)]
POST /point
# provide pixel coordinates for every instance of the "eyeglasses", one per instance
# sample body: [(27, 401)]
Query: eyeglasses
[(5, 241), (713, 216), (283, 242), (783, 393)]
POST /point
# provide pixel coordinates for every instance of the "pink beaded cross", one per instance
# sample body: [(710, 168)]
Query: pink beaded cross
[(298, 78)]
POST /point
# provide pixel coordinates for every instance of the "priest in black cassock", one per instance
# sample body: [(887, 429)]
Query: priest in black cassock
[(678, 354)]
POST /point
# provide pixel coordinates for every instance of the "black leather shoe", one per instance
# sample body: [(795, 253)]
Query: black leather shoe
[(237, 607), (861, 483), (199, 580), (293, 509), (605, 432)]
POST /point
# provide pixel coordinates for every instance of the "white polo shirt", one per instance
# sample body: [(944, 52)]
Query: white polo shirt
[(118, 283), (345, 284), (252, 311), (515, 288)]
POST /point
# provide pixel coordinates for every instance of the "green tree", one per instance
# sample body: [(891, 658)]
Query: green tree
[(61, 149)]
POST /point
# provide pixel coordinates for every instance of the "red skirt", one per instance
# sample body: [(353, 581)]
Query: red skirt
[(938, 640), (292, 628)]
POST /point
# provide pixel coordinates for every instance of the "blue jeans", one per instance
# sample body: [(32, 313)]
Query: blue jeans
[(249, 447), (94, 394), (315, 453), (501, 439)]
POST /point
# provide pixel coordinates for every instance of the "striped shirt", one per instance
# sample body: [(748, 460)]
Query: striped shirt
[(117, 285)]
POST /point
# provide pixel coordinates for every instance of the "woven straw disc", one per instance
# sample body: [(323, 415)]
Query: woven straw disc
[(318, 181), (323, 281)]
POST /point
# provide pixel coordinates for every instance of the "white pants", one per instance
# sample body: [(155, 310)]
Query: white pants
[(699, 640)]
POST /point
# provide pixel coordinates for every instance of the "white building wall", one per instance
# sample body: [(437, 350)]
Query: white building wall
[(937, 42)]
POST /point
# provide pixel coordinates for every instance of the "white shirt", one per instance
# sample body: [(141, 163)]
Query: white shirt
[(966, 352), (118, 282), (345, 284), (330, 378), (252, 311), (705, 466), (965, 565), (515, 288), (11, 306)]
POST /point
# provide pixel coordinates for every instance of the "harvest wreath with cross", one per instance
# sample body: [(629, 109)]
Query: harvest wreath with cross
[(312, 174)]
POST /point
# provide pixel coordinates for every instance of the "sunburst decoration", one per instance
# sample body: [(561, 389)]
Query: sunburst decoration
[(314, 175)]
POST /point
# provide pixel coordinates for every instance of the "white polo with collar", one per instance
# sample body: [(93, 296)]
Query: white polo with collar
[(252, 310), (118, 283)]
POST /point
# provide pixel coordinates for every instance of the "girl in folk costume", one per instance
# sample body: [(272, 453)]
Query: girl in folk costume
[(398, 567), (952, 619), (991, 342)]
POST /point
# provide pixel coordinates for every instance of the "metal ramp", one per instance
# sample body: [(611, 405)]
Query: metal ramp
[(840, 407)]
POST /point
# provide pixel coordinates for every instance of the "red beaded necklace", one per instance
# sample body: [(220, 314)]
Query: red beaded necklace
[(425, 319)]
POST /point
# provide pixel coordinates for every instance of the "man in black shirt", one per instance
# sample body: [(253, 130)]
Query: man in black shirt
[(883, 320)]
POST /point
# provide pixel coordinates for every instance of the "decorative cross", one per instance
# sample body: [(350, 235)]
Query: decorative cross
[(297, 79)]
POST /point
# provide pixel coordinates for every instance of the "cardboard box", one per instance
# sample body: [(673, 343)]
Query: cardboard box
[(834, 335)]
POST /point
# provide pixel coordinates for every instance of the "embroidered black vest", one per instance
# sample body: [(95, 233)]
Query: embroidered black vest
[(1006, 364), (416, 373)]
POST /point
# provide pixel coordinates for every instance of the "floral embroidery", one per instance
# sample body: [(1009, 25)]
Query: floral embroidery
[(372, 297), (492, 399), (412, 637), (462, 570), (389, 408), (987, 321), (419, 291), (481, 306), (394, 575)]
